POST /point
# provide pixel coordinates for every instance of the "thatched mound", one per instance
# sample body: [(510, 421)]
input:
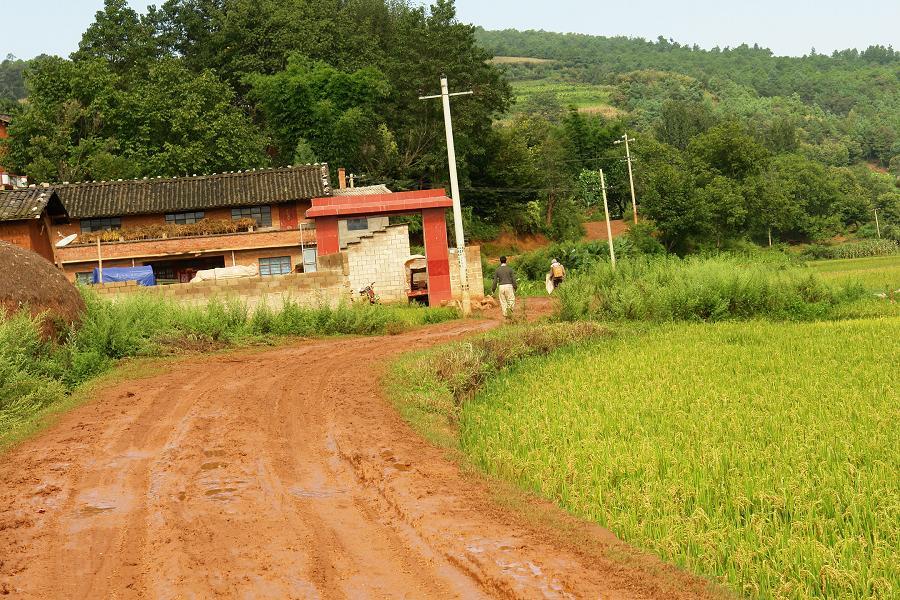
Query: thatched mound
[(29, 280)]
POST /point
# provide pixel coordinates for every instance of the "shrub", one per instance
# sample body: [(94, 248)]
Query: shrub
[(700, 289)]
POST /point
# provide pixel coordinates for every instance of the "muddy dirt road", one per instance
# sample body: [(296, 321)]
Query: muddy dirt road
[(282, 474)]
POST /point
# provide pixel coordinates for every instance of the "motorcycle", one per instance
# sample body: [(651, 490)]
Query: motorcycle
[(369, 293)]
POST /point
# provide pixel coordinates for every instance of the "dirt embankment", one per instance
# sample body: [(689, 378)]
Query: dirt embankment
[(283, 474)]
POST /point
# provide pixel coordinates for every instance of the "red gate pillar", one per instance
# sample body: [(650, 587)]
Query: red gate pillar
[(437, 255), (327, 236)]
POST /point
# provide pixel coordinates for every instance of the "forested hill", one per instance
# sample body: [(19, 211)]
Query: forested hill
[(837, 83), (864, 85)]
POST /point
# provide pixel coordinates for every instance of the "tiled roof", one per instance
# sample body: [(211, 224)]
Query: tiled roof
[(365, 190), (148, 196), (18, 205)]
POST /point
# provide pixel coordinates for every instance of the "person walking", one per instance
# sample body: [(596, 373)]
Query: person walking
[(557, 273), (505, 281)]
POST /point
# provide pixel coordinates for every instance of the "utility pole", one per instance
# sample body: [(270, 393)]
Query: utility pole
[(612, 251), (627, 139), (99, 260), (877, 226), (454, 192)]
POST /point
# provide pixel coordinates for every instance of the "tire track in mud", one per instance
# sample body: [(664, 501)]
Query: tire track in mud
[(281, 474)]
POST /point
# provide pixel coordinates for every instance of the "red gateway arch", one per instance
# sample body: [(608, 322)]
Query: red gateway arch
[(432, 204)]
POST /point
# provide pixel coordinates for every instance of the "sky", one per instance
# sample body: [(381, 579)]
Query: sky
[(788, 27)]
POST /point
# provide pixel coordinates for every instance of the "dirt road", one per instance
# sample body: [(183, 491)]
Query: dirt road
[(282, 474)]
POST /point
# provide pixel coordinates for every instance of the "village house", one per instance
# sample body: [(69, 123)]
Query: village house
[(181, 225), (278, 222), (25, 218)]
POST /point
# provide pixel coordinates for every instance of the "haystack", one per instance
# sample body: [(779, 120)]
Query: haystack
[(27, 280)]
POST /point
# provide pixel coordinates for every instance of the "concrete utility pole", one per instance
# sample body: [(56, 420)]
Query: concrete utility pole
[(627, 139), (612, 251), (877, 226), (454, 192), (99, 260)]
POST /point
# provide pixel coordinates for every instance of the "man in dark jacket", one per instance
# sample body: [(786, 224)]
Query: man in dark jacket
[(505, 281)]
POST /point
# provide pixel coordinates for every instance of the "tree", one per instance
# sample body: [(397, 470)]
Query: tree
[(728, 149), (671, 201), (85, 121), (725, 205), (812, 197), (681, 120), (121, 37), (333, 111), (12, 82), (409, 44)]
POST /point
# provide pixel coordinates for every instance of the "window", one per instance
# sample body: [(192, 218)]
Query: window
[(84, 278), (104, 224), (184, 218), (360, 224), (280, 265), (262, 214)]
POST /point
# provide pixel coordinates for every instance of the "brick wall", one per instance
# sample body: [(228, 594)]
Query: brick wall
[(380, 257), (30, 234), (326, 287)]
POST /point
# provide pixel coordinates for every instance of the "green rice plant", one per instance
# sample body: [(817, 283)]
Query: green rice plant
[(430, 387), (716, 288), (763, 454), (877, 274)]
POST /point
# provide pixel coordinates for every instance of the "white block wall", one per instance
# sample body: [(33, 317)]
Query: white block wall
[(380, 258)]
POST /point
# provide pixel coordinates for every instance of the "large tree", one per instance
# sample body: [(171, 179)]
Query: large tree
[(334, 112), (85, 121)]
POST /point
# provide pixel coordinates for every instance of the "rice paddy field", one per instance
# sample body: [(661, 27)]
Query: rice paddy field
[(763, 454), (584, 96), (878, 274)]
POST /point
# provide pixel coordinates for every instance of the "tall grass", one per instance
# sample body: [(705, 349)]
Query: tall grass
[(35, 374), (765, 454), (701, 289)]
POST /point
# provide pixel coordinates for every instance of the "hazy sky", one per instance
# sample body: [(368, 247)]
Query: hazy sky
[(786, 26)]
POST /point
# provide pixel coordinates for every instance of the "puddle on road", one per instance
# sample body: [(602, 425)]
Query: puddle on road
[(90, 510), (213, 465), (323, 493)]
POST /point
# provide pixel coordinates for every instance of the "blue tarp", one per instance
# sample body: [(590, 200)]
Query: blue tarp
[(143, 275)]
